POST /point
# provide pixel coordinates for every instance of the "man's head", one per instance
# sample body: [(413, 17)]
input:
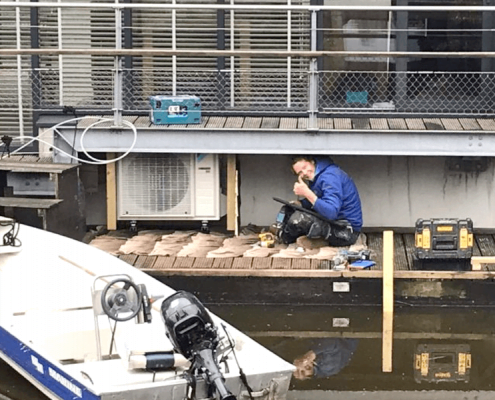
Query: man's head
[(304, 366), (304, 166)]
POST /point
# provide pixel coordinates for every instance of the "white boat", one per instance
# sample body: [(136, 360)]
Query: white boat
[(59, 305)]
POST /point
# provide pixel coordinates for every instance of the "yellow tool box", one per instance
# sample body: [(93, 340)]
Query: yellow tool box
[(436, 363), (443, 244)]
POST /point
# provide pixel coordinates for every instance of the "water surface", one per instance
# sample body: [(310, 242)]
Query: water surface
[(347, 343)]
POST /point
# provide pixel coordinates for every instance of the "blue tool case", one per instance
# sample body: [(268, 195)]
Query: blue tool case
[(175, 110)]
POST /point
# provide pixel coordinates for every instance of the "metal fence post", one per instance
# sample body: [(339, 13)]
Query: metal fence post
[(313, 77), (401, 38), (117, 108), (19, 72)]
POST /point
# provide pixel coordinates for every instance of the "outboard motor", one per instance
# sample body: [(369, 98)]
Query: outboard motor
[(192, 332)]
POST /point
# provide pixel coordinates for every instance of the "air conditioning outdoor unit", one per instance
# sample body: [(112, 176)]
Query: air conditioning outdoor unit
[(156, 186)]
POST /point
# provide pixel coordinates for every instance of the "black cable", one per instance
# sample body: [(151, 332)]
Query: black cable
[(241, 372), (112, 339)]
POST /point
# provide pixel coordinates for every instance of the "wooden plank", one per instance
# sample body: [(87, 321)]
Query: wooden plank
[(301, 263), (129, 258), (342, 123), (476, 248), (216, 122), (130, 118), (223, 263), (288, 123), (202, 124), (375, 243), (388, 300), (231, 193), (261, 263), (183, 263), (469, 124), (252, 123), (270, 122), (477, 263), (203, 262), (163, 262), (451, 124), (302, 123), (28, 202), (379, 123), (234, 122), (415, 124), (242, 263), (410, 247), (142, 122), (145, 262), (111, 184), (325, 123), (400, 260), (433, 124), (323, 273), (10, 164), (321, 264), (281, 263), (397, 123), (486, 244), (361, 123), (487, 124)]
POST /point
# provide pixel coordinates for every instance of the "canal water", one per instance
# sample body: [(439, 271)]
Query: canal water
[(437, 353)]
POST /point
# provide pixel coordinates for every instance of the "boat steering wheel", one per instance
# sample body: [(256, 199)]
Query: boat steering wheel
[(116, 300)]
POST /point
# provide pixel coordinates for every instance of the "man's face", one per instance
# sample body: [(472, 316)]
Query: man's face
[(304, 169), (304, 369)]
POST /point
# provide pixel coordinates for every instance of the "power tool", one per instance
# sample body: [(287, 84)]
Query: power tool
[(267, 239)]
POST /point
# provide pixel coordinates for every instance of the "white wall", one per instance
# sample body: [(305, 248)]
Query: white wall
[(395, 191)]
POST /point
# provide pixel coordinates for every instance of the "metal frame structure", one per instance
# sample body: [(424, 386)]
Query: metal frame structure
[(314, 72)]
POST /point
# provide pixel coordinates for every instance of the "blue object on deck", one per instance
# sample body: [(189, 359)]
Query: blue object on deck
[(357, 97), (167, 110), (364, 264)]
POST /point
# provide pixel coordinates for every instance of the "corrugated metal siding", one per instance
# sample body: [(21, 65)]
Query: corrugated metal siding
[(13, 118), (87, 81)]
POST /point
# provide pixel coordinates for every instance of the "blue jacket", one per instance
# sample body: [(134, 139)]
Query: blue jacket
[(338, 197)]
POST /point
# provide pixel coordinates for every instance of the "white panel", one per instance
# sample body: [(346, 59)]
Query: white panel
[(206, 186), (168, 187)]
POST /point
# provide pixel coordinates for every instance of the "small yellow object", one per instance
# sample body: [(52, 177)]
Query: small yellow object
[(267, 239)]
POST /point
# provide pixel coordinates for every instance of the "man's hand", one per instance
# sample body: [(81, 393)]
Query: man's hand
[(302, 189)]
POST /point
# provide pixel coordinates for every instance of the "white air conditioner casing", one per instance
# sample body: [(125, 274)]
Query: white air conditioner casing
[(157, 186)]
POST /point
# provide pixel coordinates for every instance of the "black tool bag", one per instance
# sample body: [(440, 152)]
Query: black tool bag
[(294, 221)]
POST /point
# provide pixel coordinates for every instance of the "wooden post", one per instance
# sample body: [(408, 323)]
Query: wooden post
[(477, 261), (388, 300), (231, 193), (111, 195)]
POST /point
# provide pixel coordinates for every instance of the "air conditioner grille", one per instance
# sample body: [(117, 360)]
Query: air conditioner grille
[(156, 184)]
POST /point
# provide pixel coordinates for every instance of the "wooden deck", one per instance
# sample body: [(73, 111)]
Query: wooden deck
[(302, 123), (303, 267)]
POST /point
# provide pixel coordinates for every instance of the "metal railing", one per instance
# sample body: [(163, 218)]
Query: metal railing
[(235, 86)]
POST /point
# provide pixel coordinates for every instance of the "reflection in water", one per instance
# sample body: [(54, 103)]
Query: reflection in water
[(340, 350), (326, 358)]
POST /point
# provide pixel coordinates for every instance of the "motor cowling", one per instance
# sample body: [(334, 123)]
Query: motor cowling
[(192, 332)]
